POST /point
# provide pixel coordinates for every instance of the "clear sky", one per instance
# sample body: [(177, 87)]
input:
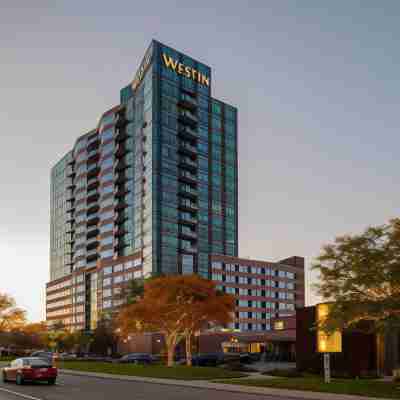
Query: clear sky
[(316, 83)]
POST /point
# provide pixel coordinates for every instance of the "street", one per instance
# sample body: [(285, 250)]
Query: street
[(71, 387)]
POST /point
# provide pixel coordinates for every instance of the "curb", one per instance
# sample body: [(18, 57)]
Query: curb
[(206, 385)]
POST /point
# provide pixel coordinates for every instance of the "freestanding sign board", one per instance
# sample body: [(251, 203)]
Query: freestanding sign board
[(327, 342)]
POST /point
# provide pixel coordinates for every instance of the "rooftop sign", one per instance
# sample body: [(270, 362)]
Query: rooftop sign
[(143, 68), (185, 70)]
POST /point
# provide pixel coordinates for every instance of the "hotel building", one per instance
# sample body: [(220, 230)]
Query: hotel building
[(152, 189)]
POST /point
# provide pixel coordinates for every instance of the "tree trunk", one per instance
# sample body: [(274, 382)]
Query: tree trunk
[(189, 349), (171, 344)]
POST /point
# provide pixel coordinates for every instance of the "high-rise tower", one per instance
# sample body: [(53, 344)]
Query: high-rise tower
[(152, 189)]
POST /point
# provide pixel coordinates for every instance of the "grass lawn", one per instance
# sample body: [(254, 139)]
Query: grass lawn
[(361, 387), (152, 371), (7, 358)]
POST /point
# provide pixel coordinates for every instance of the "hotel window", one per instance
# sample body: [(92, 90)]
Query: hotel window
[(107, 270), (217, 264), (282, 285), (118, 268), (107, 282), (118, 279), (290, 296), (107, 304), (107, 293), (290, 275), (107, 253), (137, 274), (128, 276)]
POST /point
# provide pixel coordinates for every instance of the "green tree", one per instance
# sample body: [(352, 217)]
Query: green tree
[(360, 274)]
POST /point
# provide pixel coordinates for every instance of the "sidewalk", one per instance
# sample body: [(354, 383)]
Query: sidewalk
[(285, 393)]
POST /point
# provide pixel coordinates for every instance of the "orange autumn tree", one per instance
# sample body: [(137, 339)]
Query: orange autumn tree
[(11, 317), (176, 306), (205, 306)]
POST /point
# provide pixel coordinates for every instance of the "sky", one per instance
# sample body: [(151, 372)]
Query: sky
[(316, 84)]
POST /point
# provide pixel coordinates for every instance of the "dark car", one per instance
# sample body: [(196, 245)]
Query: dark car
[(136, 358), (31, 369), (207, 359)]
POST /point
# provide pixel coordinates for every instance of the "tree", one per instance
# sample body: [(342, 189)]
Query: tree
[(360, 274), (104, 337), (204, 306), (169, 305), (11, 317)]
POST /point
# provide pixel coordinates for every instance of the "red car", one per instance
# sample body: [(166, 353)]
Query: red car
[(31, 369)]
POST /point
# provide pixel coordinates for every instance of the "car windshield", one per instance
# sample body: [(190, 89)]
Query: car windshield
[(36, 362)]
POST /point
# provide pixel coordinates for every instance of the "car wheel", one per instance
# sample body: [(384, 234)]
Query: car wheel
[(19, 379), (5, 380), (51, 381)]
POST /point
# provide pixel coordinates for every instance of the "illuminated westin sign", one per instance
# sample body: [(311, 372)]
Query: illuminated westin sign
[(183, 69), (170, 63), (143, 68)]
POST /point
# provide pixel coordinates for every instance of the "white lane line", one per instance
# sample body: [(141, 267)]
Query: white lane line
[(25, 396)]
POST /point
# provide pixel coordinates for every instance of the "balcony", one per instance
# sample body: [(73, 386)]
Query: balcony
[(120, 165), (121, 178), (121, 218), (121, 135), (121, 193), (93, 156), (187, 219), (70, 195), (188, 177), (93, 144), (186, 148), (121, 205), (92, 232), (188, 102), (187, 205), (92, 220), (120, 120), (187, 233), (93, 170), (188, 249), (188, 133), (92, 243), (121, 150), (70, 206), (188, 118), (70, 183), (70, 171), (70, 218), (120, 232), (92, 255), (70, 228), (188, 163), (92, 183), (92, 209), (188, 191), (92, 195)]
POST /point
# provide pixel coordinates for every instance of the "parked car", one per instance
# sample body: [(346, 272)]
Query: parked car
[(206, 359), (30, 369), (136, 358), (45, 355)]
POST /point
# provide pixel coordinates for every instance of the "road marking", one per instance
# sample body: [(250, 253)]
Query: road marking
[(25, 396)]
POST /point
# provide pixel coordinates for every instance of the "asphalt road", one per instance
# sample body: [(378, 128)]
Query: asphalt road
[(72, 387)]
